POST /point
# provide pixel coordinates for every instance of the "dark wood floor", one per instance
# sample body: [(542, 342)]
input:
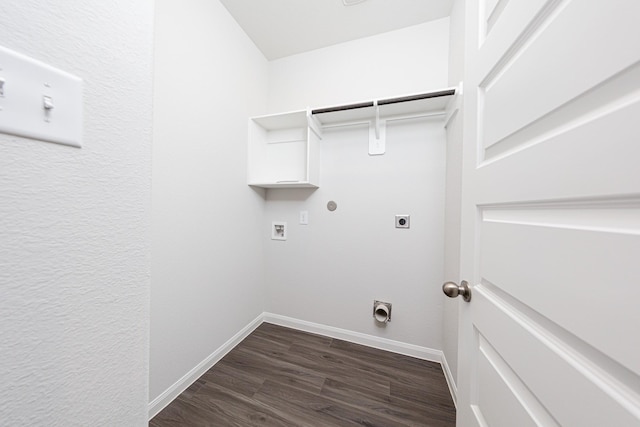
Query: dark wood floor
[(282, 377)]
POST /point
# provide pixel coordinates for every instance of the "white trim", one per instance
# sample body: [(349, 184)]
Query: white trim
[(453, 389), (419, 352), (424, 353), (166, 397)]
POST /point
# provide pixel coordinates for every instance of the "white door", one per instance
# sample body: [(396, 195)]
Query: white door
[(551, 214)]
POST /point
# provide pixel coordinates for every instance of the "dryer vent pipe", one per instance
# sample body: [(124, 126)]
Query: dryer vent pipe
[(382, 311)]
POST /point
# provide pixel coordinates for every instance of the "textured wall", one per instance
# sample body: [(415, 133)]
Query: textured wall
[(74, 223), (331, 270), (207, 256)]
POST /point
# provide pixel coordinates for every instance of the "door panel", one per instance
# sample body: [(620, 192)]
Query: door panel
[(559, 273), (562, 381), (580, 159), (503, 399), (551, 214), (506, 27), (556, 64)]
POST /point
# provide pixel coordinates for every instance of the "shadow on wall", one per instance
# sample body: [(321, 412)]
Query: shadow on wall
[(286, 194)]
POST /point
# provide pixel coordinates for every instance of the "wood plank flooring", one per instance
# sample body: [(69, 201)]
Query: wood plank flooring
[(282, 377)]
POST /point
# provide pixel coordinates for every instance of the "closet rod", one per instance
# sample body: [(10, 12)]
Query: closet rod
[(342, 108), (448, 92), (418, 97)]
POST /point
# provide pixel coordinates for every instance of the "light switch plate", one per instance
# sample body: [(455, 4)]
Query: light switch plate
[(304, 218), (38, 101)]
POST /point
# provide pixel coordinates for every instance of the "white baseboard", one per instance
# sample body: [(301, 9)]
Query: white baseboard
[(419, 352), (453, 389), (424, 353), (160, 402)]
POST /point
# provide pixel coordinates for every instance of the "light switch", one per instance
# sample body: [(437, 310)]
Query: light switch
[(304, 217), (48, 103), (38, 101)]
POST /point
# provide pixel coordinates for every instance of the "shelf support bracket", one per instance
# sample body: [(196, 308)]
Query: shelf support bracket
[(377, 108), (313, 124), (377, 133), (453, 106)]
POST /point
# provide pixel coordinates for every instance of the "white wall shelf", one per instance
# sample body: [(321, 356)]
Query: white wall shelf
[(283, 148), (283, 151)]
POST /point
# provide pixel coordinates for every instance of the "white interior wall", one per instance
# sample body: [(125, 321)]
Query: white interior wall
[(74, 224), (453, 193), (330, 271), (400, 62), (207, 275)]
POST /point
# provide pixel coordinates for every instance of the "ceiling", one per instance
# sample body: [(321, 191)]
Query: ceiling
[(285, 27)]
